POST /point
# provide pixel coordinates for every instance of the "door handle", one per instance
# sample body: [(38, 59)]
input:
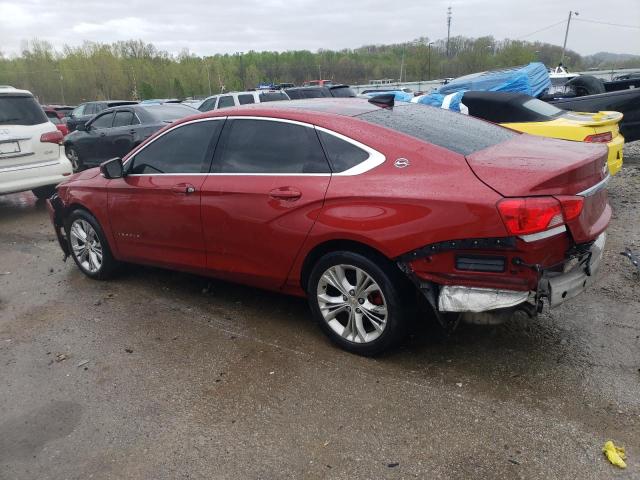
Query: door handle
[(102, 134), (285, 193), (183, 188), (132, 131)]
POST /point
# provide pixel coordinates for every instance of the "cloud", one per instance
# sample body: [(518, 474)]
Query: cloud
[(209, 27)]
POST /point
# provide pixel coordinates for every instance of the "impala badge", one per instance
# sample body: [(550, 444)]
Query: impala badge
[(401, 163)]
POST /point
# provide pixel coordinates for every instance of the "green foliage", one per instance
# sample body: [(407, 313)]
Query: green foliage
[(128, 69)]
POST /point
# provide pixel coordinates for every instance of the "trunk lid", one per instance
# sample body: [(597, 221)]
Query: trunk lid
[(534, 166)]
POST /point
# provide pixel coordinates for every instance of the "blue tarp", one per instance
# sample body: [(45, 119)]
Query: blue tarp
[(399, 95), (532, 79)]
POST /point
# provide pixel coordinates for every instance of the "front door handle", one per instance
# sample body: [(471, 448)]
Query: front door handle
[(183, 188), (285, 193)]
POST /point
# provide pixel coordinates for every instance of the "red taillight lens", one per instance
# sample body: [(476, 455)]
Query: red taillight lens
[(52, 137), (522, 216), (571, 207), (599, 138)]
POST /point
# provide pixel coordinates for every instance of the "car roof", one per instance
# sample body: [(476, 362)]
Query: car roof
[(9, 90)]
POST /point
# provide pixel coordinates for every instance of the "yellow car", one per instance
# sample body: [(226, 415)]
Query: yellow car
[(527, 114)]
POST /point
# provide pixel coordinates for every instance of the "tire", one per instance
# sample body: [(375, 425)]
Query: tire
[(586, 85), (93, 258), (44, 192), (360, 325), (74, 157)]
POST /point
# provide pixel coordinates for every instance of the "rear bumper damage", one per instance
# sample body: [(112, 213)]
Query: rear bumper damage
[(56, 213), (554, 286)]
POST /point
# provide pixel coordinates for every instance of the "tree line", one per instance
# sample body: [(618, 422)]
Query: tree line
[(137, 70)]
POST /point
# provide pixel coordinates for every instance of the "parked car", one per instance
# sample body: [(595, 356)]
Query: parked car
[(343, 91), (117, 130), (156, 101), (530, 115), (57, 119), (363, 209), (317, 83), (31, 157), (233, 99), (83, 112), (63, 111)]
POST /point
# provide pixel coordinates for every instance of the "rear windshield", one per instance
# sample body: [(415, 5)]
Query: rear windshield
[(273, 96), (543, 109), (21, 110), (343, 92), (169, 112), (456, 132)]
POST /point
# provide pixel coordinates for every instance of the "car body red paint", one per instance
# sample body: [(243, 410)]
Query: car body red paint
[(257, 230)]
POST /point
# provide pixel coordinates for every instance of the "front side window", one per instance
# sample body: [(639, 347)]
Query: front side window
[(123, 119), (267, 146), (245, 99), (184, 149), (208, 104), (78, 111), (226, 101), (341, 154), (103, 121)]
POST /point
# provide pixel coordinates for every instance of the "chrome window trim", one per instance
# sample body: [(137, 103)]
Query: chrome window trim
[(596, 188), (375, 158), (546, 234)]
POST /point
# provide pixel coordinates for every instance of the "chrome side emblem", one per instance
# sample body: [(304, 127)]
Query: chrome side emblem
[(605, 169), (401, 163)]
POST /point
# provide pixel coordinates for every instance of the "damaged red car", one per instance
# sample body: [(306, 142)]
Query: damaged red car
[(368, 209)]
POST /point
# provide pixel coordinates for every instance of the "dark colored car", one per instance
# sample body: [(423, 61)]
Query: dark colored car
[(115, 131), (342, 91), (364, 210), (62, 110), (83, 112)]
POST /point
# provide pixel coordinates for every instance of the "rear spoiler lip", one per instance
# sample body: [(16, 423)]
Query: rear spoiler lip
[(606, 118), (602, 184)]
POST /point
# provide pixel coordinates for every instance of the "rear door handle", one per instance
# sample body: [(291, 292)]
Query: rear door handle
[(285, 193), (183, 188), (132, 131)]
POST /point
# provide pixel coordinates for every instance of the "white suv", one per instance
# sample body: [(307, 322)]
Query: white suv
[(233, 99), (31, 155)]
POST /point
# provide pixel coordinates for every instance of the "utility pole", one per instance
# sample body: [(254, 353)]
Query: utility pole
[(404, 46), (566, 34), (209, 78), (319, 72), (429, 61), (448, 29), (61, 87)]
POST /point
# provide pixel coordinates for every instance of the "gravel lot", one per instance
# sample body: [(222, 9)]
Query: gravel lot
[(162, 375)]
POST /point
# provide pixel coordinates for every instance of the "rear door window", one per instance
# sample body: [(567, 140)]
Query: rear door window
[(267, 146), (123, 118), (226, 101), (103, 121), (273, 97), (245, 99), (454, 131), (20, 110), (185, 149)]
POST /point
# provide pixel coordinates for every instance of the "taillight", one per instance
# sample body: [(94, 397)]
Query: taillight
[(599, 138), (52, 137), (523, 216)]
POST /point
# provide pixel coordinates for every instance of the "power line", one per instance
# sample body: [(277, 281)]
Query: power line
[(542, 29), (607, 23)]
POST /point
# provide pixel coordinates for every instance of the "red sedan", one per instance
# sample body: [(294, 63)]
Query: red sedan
[(368, 210)]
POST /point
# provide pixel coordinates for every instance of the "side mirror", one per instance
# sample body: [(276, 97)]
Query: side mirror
[(112, 168), (83, 127)]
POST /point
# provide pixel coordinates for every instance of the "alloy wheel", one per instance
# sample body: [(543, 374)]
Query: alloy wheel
[(73, 157), (86, 245), (352, 303)]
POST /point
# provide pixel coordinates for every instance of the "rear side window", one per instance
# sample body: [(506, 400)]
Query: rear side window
[(341, 154), (245, 99), (123, 119), (273, 97), (226, 101), (342, 92), (456, 132), (21, 110), (294, 94), (182, 150), (208, 105), (266, 146)]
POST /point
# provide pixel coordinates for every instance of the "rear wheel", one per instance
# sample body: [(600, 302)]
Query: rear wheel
[(88, 246), (44, 192), (74, 157), (360, 304)]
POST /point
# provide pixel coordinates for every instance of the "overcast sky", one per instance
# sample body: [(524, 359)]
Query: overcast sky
[(210, 26)]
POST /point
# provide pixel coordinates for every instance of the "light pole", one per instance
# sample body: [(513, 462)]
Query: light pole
[(566, 34), (209, 78), (429, 61)]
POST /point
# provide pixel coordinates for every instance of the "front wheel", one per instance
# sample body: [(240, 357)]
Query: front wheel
[(88, 246), (360, 304), (74, 157)]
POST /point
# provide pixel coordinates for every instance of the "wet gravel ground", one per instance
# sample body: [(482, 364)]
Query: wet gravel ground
[(162, 375)]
